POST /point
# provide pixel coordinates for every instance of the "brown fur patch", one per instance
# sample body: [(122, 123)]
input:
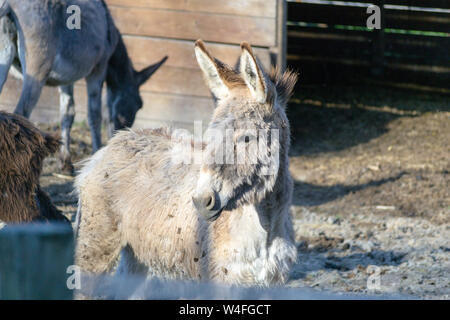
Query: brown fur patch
[(23, 148)]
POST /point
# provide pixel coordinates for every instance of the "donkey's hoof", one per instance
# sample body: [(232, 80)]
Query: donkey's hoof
[(67, 168)]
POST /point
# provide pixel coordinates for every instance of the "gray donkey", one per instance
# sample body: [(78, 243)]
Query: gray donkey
[(36, 40), (227, 221)]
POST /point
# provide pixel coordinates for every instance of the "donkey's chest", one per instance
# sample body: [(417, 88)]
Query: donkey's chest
[(240, 249)]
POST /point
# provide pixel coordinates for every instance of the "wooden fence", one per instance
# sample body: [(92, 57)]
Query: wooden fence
[(154, 28), (329, 42)]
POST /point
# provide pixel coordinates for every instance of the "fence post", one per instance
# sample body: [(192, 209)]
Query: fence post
[(33, 261), (281, 43), (379, 43)]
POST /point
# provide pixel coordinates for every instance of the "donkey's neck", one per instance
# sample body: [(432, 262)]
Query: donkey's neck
[(120, 68), (254, 242), (263, 220)]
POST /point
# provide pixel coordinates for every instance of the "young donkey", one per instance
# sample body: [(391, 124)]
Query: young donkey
[(36, 40), (228, 222)]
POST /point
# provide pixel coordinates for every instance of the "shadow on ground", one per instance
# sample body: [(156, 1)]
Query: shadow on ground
[(312, 260), (306, 194), (335, 118)]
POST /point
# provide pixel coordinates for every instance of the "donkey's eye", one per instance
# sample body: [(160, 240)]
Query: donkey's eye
[(247, 139)]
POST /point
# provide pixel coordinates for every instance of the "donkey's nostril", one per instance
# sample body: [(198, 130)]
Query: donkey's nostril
[(206, 202), (210, 203)]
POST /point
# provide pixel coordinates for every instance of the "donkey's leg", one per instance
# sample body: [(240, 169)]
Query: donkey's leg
[(35, 73), (94, 88), (8, 51), (67, 114), (31, 91), (129, 264), (99, 241), (36, 59)]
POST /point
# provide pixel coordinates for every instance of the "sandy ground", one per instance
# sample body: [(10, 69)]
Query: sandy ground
[(371, 200)]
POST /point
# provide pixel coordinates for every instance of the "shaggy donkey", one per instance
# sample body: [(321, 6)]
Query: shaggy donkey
[(225, 222), (23, 147), (35, 39)]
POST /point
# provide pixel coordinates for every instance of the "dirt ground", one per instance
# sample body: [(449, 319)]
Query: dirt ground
[(371, 200)]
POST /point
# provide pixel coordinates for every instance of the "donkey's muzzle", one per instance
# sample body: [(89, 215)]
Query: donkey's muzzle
[(207, 206)]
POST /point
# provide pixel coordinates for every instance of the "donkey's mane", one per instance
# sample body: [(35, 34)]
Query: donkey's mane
[(284, 83)]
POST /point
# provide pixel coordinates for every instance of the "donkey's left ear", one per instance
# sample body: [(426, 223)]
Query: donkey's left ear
[(143, 75), (252, 74)]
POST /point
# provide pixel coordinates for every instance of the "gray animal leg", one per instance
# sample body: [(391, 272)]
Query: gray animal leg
[(8, 51), (94, 88), (67, 114), (31, 91)]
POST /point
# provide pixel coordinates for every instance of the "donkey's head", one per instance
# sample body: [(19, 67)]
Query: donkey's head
[(124, 100), (247, 139)]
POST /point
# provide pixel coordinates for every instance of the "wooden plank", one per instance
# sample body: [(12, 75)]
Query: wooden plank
[(357, 16), (444, 4), (34, 261), (425, 50), (379, 43), (327, 14), (179, 81), (147, 50), (193, 26), (257, 8), (157, 106), (49, 96), (335, 45), (415, 20), (329, 70), (281, 34), (169, 107)]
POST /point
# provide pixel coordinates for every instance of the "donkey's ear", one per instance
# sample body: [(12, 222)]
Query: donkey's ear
[(252, 74), (211, 71), (143, 75)]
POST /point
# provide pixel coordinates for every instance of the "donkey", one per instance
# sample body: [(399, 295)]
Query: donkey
[(23, 148), (35, 39), (227, 222)]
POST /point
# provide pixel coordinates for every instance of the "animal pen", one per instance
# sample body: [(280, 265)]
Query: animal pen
[(329, 43), (326, 41)]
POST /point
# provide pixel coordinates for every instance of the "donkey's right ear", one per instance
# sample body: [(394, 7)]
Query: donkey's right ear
[(211, 71)]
